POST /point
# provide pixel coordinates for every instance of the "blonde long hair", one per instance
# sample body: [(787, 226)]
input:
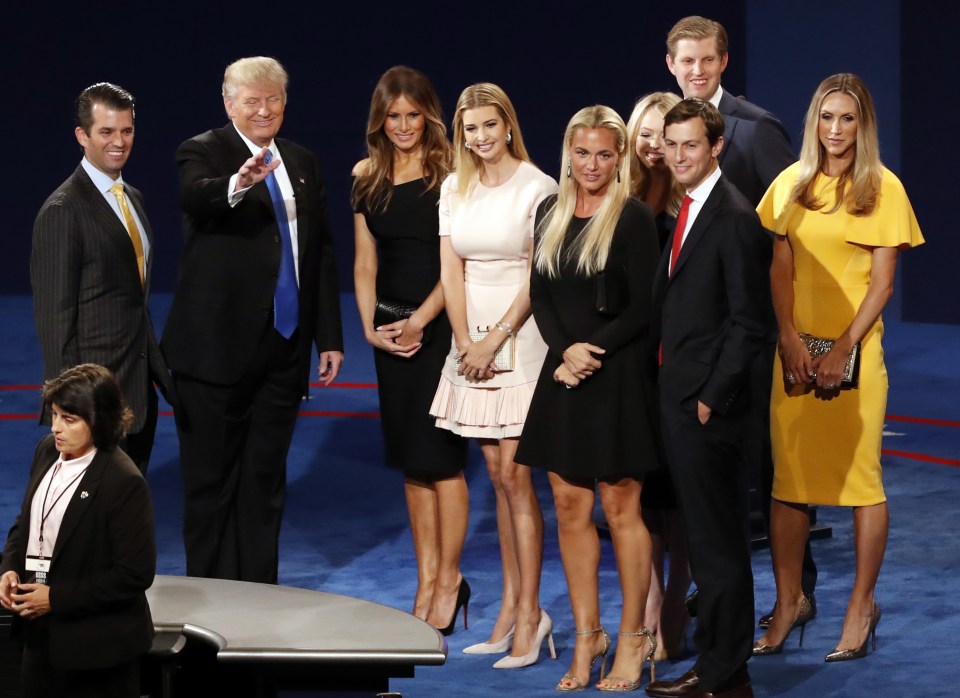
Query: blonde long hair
[(859, 186), (467, 163), (640, 175), (592, 245), (372, 189)]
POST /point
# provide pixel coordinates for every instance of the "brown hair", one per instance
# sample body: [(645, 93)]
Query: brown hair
[(372, 189), (694, 107), (697, 28)]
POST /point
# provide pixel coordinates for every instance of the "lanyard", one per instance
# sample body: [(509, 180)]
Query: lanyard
[(44, 512)]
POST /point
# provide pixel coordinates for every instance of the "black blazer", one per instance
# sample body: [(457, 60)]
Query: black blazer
[(103, 563), (756, 147), (713, 313), (223, 303), (88, 303)]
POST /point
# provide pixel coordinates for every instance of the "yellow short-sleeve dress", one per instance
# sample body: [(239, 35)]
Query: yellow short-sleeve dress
[(826, 445)]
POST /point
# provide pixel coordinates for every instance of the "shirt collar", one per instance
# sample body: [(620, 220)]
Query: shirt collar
[(715, 100), (101, 180), (703, 189), (254, 148)]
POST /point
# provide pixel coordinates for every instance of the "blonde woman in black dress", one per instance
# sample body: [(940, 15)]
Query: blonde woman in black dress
[(395, 194), (592, 421)]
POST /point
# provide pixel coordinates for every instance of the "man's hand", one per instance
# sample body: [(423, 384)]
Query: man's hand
[(32, 602), (254, 170), (9, 582), (329, 368)]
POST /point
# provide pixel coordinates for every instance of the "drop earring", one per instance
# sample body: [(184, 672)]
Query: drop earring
[(509, 137), (569, 171), (467, 145), (618, 175)]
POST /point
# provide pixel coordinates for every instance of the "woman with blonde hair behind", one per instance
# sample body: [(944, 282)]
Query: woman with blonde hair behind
[(397, 265), (651, 181), (486, 243), (840, 219), (593, 421)]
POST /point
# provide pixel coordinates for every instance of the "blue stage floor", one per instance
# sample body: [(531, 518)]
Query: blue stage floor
[(345, 529)]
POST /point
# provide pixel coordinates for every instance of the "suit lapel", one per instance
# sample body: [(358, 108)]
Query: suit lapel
[(728, 105), (81, 501), (106, 220), (700, 225)]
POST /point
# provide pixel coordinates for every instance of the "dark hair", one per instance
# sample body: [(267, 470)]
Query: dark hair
[(91, 392), (107, 94), (692, 108)]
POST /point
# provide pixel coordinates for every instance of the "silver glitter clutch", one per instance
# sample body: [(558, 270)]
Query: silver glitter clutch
[(506, 355), (818, 346)]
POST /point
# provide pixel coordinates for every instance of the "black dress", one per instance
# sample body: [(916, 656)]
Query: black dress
[(408, 268), (607, 427)]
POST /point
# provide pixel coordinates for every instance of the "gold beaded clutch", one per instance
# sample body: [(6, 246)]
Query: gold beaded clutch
[(818, 346), (506, 355)]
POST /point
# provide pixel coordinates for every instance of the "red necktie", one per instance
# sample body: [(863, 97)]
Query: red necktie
[(678, 232), (675, 250)]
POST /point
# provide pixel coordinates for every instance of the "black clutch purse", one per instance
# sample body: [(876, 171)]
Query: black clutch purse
[(390, 310), (818, 346), (610, 291)]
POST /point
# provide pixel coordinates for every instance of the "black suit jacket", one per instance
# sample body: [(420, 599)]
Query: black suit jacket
[(756, 147), (223, 303), (713, 312), (88, 303), (103, 563)]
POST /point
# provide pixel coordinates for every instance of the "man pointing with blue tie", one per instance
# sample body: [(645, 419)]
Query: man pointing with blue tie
[(257, 288)]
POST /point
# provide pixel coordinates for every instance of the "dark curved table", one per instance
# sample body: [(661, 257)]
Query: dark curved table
[(255, 638)]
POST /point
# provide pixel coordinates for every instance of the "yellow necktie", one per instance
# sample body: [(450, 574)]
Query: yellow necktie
[(117, 190)]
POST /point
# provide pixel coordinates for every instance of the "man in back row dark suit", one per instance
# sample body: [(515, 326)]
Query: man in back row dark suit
[(90, 268), (712, 304), (756, 149), (257, 287)]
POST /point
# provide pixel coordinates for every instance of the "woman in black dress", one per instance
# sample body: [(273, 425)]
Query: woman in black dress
[(397, 262), (592, 421)]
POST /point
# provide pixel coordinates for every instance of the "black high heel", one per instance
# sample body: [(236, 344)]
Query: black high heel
[(805, 614), (839, 655), (463, 598)]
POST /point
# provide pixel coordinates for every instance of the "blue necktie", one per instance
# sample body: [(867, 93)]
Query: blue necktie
[(286, 301)]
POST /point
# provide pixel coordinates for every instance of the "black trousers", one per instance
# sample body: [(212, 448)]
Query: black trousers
[(40, 679), (234, 441), (706, 464), (139, 446)]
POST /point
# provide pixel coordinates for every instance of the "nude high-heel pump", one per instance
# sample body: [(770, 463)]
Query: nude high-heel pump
[(544, 630)]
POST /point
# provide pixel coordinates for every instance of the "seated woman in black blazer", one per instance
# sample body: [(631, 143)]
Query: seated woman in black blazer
[(82, 552)]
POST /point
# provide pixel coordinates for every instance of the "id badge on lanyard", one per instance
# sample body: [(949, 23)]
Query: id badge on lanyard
[(40, 567)]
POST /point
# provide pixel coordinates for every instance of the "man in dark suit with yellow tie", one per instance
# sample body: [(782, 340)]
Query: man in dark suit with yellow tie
[(91, 263), (257, 289)]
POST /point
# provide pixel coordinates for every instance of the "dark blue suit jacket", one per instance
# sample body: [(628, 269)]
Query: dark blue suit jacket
[(756, 147)]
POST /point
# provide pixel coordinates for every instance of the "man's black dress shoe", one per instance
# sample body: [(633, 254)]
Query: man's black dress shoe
[(686, 685), (764, 621)]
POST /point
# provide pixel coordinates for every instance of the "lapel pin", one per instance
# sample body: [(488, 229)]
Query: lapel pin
[(302, 181), (84, 494)]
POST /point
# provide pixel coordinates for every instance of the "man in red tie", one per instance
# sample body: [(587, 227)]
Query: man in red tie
[(712, 301)]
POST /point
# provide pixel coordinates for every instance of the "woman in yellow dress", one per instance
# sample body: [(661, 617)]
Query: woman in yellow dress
[(840, 219)]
